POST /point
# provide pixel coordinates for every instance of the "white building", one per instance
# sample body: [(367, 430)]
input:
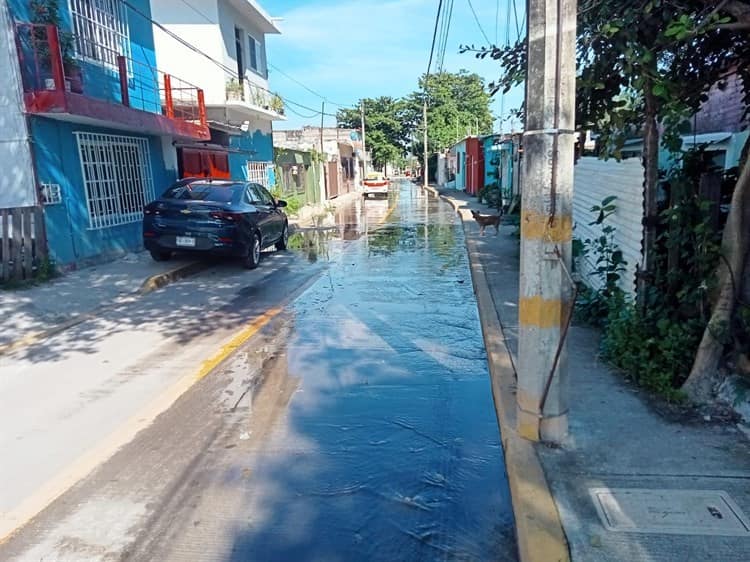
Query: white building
[(226, 56)]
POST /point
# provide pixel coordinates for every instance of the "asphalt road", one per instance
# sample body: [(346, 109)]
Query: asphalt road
[(332, 405)]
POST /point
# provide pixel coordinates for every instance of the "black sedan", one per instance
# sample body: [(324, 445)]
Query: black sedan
[(225, 217)]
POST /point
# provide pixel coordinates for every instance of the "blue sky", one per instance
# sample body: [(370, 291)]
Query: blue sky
[(346, 50)]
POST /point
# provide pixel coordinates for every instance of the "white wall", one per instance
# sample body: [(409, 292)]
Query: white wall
[(595, 180), (17, 184), (197, 29), (230, 18)]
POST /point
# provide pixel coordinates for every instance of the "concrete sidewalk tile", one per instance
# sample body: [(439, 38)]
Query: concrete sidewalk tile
[(618, 441), (34, 313)]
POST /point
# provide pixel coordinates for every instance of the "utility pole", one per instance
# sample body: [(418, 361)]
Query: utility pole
[(322, 151), (425, 179), (364, 146), (546, 289)]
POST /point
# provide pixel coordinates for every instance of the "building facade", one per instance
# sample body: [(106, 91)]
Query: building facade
[(103, 117), (225, 51)]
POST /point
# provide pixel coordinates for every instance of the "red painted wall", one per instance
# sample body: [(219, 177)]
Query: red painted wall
[(474, 166)]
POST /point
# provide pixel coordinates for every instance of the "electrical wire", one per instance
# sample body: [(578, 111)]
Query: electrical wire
[(321, 96), (447, 16), (231, 72), (518, 24), (479, 25), (434, 36)]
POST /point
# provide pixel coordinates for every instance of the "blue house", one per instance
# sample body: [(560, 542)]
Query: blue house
[(103, 118), (500, 153)]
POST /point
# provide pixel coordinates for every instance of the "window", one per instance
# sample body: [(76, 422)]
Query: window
[(258, 172), (238, 53), (101, 30), (255, 54), (217, 193), (116, 176)]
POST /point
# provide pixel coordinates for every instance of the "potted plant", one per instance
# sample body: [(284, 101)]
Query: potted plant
[(277, 104), (47, 12), (234, 90)]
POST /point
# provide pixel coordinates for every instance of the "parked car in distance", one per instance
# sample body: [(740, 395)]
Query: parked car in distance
[(224, 217), (375, 184)]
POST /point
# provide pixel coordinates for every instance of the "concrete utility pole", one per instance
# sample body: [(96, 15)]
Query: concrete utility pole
[(425, 179), (364, 146), (322, 150), (546, 289)]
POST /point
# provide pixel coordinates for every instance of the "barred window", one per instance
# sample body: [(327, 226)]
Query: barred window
[(117, 178), (259, 172), (101, 30)]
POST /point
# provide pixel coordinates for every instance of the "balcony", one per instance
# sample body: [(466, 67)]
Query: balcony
[(104, 88), (246, 99)]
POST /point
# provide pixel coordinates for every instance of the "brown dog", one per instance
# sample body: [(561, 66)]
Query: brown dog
[(487, 220)]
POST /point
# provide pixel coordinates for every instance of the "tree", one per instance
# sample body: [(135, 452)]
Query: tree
[(386, 134), (457, 103), (647, 65)]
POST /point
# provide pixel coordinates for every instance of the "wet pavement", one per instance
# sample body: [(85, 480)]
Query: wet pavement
[(359, 426), (388, 448)]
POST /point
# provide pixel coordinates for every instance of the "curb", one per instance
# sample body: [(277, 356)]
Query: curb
[(161, 279), (539, 530), (149, 285)]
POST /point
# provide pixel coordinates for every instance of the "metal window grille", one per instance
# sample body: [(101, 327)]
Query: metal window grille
[(117, 178), (101, 30), (259, 172)]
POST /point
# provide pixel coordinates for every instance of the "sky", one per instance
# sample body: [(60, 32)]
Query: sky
[(345, 50)]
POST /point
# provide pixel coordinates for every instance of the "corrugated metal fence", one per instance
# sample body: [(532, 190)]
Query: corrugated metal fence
[(594, 181), (22, 244)]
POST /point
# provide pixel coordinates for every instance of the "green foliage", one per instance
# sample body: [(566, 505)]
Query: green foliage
[(385, 127), (456, 103), (654, 345), (592, 305), (670, 52), (293, 204)]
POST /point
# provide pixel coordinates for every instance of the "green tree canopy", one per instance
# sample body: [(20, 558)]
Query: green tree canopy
[(385, 130), (457, 103)]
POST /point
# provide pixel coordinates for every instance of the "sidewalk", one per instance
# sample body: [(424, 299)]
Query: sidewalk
[(37, 311), (619, 441)]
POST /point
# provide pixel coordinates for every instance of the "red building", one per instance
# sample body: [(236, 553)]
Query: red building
[(474, 165)]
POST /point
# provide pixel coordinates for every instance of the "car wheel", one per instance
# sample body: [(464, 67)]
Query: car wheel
[(281, 244), (160, 255), (252, 259)]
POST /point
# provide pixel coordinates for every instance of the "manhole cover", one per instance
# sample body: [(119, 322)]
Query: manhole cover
[(680, 512)]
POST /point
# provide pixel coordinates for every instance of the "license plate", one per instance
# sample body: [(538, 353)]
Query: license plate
[(187, 241)]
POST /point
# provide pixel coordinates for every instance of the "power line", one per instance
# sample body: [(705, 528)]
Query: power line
[(479, 25), (434, 35), (518, 25), (233, 73), (447, 16), (321, 96)]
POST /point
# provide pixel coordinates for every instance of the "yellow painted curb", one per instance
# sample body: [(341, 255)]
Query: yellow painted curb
[(539, 531)]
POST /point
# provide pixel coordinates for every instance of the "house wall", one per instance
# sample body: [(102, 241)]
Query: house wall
[(256, 144), (57, 161), (17, 185), (594, 180), (204, 34), (229, 18), (460, 152), (724, 109)]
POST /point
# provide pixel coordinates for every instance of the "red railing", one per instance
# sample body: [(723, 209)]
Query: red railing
[(98, 71)]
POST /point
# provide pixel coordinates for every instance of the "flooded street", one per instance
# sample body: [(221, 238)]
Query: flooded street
[(388, 447), (356, 425)]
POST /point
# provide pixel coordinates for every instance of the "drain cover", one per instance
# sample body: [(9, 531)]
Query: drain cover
[(679, 512)]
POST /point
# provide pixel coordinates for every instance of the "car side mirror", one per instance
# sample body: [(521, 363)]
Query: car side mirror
[(280, 203)]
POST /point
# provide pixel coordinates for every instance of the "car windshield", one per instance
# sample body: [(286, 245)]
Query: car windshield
[(374, 176), (221, 193)]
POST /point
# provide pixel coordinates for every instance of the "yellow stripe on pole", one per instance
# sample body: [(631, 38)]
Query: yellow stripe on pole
[(539, 312), (537, 226)]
